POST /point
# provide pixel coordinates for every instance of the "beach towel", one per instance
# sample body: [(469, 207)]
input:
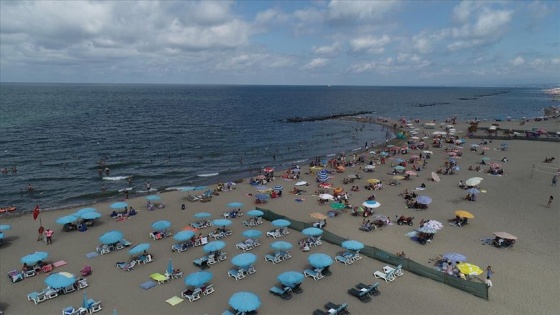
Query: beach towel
[(121, 219), (300, 200), (148, 285), (419, 188), (91, 255), (174, 300), (59, 263)]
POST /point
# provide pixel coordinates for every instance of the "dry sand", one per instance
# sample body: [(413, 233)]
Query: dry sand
[(525, 280)]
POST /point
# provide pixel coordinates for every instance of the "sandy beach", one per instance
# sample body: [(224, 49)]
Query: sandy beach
[(525, 280)]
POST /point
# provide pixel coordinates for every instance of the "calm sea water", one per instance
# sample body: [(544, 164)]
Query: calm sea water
[(175, 135)]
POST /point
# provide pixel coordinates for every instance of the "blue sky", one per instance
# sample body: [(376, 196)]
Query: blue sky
[(467, 43)]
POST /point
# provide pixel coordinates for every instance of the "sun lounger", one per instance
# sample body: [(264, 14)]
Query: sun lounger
[(15, 276), (161, 279), (397, 271), (94, 306), (244, 246), (373, 289), (361, 294), (68, 289), (237, 274), (209, 289), (316, 275), (388, 277), (276, 258), (191, 295), (29, 273), (344, 260), (284, 293), (179, 248), (51, 294), (37, 297), (82, 283), (70, 310)]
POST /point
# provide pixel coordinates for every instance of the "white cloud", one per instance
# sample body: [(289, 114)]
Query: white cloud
[(518, 61), (254, 62), (370, 44), (329, 50), (463, 11), (352, 11), (316, 64), (400, 63), (555, 61)]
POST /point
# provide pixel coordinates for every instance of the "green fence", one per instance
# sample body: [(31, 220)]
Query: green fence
[(475, 288)]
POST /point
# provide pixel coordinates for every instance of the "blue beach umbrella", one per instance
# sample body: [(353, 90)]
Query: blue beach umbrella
[(425, 200), (455, 257), (235, 204), (84, 210), (252, 233), (320, 260), (255, 213), (32, 259), (90, 215), (281, 245), (60, 280), (312, 231), (222, 222), (66, 219), (322, 177), (183, 236), (277, 187), (473, 191), (161, 225), (262, 196), (281, 223), (290, 278), (118, 205), (244, 259), (85, 301), (4, 227), (197, 279), (352, 245), (111, 237), (202, 215), (169, 267), (245, 301), (139, 249), (153, 198), (425, 229), (372, 204), (399, 168), (214, 246)]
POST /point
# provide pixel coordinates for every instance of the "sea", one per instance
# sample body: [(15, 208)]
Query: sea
[(173, 136)]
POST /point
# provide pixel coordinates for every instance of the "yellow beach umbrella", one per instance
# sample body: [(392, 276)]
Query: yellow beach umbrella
[(464, 214), (318, 216), (373, 181), (469, 269)]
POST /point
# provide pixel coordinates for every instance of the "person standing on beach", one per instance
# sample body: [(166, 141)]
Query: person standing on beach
[(549, 201), (554, 180), (49, 234), (489, 273)]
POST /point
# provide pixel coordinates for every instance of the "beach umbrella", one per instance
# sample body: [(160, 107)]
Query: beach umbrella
[(161, 225), (425, 229), (337, 205), (469, 269), (169, 267), (262, 196), (4, 227), (139, 249), (290, 278), (320, 260), (235, 204), (66, 219), (252, 233), (60, 280), (464, 214), (245, 259), (301, 183), (222, 222), (202, 215), (197, 279), (85, 301), (214, 246), (472, 182), (245, 301), (84, 210), (90, 215), (277, 187), (318, 216), (473, 191), (435, 177), (281, 223), (111, 237), (505, 235), (322, 177), (373, 181), (118, 205), (352, 245), (183, 236), (312, 231), (372, 204), (455, 257), (433, 224), (32, 259), (425, 200), (326, 196), (255, 213), (281, 245), (153, 198)]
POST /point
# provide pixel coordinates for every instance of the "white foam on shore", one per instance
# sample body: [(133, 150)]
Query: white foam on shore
[(115, 177), (207, 175)]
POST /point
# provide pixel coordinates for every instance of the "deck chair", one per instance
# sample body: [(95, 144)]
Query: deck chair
[(94, 306), (178, 248), (361, 294), (103, 249), (15, 276), (372, 289), (51, 294), (388, 277), (222, 257), (237, 274), (313, 274), (161, 279), (70, 310), (344, 260), (68, 289), (244, 246), (211, 259), (273, 258), (285, 255), (82, 284), (29, 273), (284, 293), (397, 271), (191, 295), (37, 297), (209, 289), (249, 270)]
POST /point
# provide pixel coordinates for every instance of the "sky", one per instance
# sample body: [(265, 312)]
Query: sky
[(380, 43)]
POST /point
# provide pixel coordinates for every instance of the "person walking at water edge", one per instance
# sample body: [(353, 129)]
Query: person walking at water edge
[(489, 273), (549, 201)]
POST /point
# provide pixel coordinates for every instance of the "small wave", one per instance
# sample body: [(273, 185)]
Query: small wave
[(332, 154), (207, 175), (357, 149), (300, 161), (173, 188), (125, 189), (115, 177), (146, 191)]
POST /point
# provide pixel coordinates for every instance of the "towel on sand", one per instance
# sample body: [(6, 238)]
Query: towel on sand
[(148, 285), (174, 300), (92, 254)]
